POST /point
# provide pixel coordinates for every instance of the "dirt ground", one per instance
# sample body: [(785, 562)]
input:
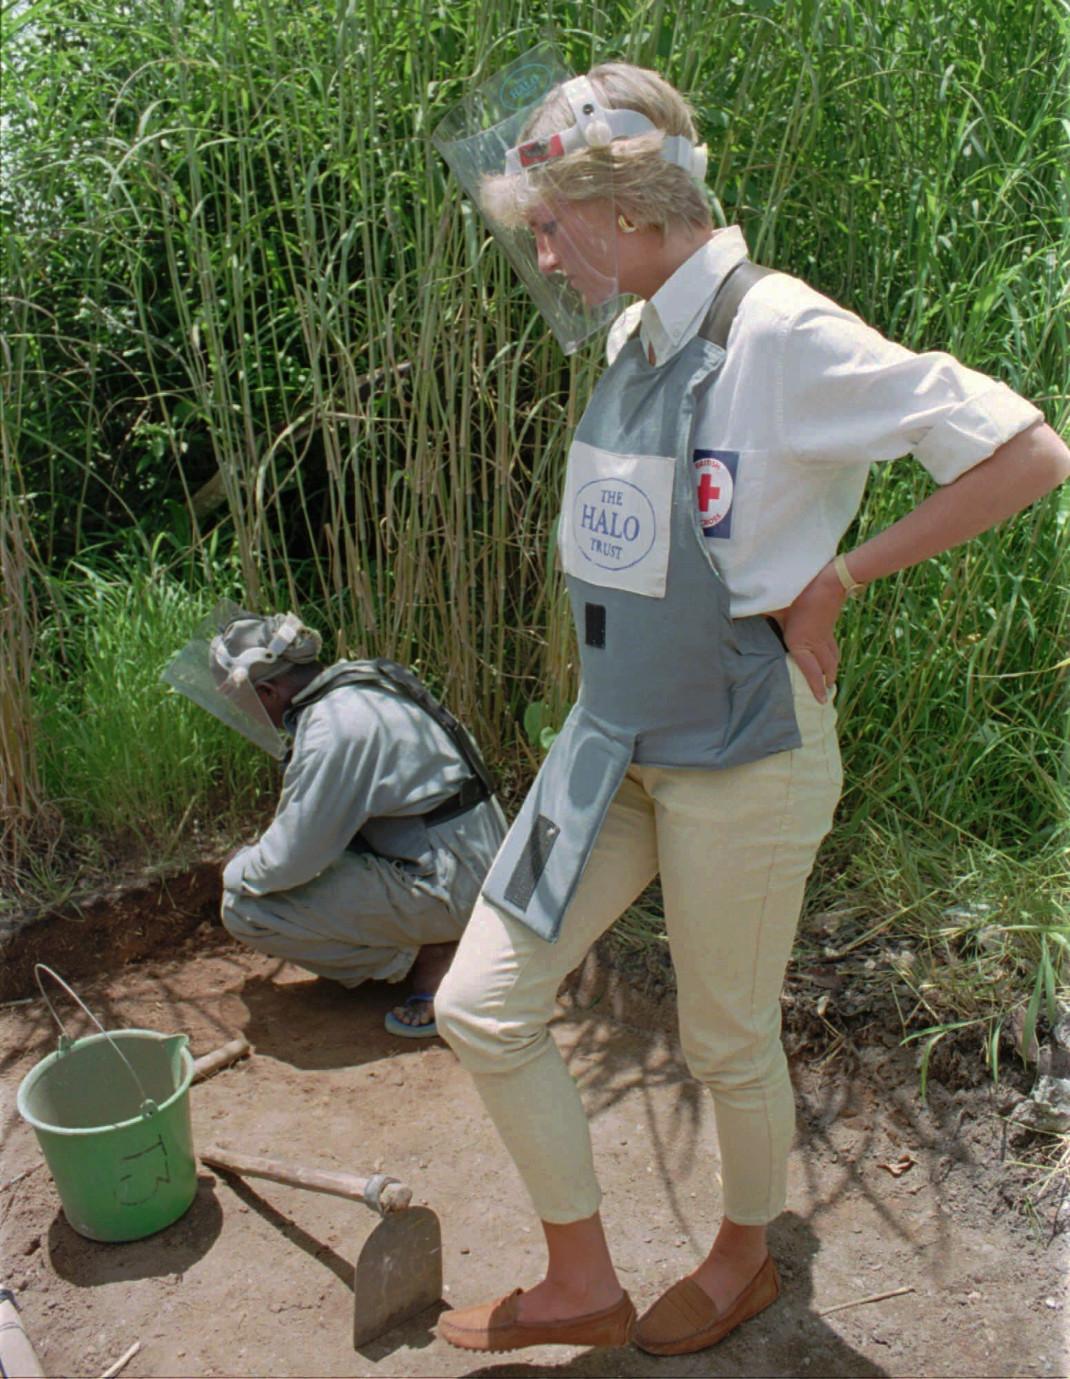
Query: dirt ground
[(256, 1279)]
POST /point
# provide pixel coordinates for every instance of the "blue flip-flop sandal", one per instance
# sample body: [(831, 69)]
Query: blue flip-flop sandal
[(396, 1026)]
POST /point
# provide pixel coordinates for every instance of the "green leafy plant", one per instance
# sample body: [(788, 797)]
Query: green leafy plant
[(539, 725)]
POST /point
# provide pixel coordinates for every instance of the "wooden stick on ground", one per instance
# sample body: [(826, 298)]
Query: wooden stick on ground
[(222, 1057), (122, 1362), (19, 1177), (873, 1297)]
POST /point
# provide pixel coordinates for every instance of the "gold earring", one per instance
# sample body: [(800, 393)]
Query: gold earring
[(626, 225)]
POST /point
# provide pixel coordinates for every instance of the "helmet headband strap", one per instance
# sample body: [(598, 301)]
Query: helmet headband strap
[(597, 126), (238, 667)]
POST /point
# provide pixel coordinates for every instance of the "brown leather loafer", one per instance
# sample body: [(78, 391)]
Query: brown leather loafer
[(494, 1326), (686, 1318)]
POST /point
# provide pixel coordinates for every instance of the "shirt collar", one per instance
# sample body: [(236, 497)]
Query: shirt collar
[(293, 709), (673, 315)]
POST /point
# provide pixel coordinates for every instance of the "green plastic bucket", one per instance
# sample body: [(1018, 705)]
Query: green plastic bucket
[(111, 1114)]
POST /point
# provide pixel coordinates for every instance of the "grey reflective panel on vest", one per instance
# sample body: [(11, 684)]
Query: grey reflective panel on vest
[(668, 678)]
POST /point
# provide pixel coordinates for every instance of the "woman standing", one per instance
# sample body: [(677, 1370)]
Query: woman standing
[(719, 462)]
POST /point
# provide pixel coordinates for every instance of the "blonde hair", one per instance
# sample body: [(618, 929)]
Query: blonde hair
[(644, 187)]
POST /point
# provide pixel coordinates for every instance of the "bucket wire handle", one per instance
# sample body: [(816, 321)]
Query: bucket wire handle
[(148, 1106)]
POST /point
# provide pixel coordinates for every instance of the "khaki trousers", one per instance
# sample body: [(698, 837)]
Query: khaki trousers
[(734, 849)]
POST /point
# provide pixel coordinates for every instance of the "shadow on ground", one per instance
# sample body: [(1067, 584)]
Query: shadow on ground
[(169, 1253)]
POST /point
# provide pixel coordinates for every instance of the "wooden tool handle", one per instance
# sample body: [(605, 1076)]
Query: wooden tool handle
[(222, 1057), (378, 1192)]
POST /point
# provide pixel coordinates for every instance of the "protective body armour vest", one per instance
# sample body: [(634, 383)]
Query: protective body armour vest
[(668, 678), (390, 675)]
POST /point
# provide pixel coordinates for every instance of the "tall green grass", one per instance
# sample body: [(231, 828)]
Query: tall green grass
[(138, 772), (25, 819), (245, 306)]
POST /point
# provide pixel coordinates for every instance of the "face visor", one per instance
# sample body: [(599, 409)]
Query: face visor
[(223, 680), (511, 144)]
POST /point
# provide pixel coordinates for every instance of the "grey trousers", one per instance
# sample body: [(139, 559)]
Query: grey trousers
[(364, 917)]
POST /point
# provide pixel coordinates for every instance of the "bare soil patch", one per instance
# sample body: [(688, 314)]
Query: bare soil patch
[(886, 1192)]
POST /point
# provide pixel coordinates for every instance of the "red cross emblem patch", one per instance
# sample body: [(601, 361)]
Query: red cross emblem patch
[(715, 486)]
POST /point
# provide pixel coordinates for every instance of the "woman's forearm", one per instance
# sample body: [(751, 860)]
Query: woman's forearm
[(1028, 466), (1017, 474)]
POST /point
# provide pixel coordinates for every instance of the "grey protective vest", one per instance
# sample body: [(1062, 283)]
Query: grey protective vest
[(668, 678), (385, 674), (390, 675)]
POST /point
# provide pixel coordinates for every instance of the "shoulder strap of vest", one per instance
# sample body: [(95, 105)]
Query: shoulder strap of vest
[(387, 673), (737, 282)]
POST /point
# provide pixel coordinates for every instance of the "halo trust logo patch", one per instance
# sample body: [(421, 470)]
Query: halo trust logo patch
[(614, 523), (715, 487)]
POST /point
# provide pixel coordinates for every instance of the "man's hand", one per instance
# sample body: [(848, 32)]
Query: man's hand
[(809, 625)]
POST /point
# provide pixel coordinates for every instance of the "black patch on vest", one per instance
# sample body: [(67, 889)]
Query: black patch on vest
[(532, 862), (594, 624)]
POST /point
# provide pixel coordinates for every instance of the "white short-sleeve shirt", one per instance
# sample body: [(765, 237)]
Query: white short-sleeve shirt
[(808, 398)]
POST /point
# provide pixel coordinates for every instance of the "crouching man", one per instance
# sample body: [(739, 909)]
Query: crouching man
[(386, 823)]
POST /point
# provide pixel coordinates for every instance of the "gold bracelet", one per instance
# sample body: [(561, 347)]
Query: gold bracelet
[(850, 584)]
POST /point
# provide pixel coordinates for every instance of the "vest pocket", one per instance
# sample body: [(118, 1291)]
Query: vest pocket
[(535, 874)]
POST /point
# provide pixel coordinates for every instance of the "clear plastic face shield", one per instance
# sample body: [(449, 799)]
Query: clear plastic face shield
[(221, 680), (564, 251), (509, 144)]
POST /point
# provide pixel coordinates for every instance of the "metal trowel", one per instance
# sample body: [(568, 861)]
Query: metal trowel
[(398, 1271)]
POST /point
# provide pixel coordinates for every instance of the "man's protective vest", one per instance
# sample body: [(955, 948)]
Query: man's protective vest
[(668, 678), (396, 679)]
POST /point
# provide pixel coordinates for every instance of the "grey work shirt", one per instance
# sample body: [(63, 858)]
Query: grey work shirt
[(367, 759)]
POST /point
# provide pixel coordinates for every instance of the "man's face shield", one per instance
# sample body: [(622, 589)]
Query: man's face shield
[(510, 144), (565, 251), (206, 672)]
